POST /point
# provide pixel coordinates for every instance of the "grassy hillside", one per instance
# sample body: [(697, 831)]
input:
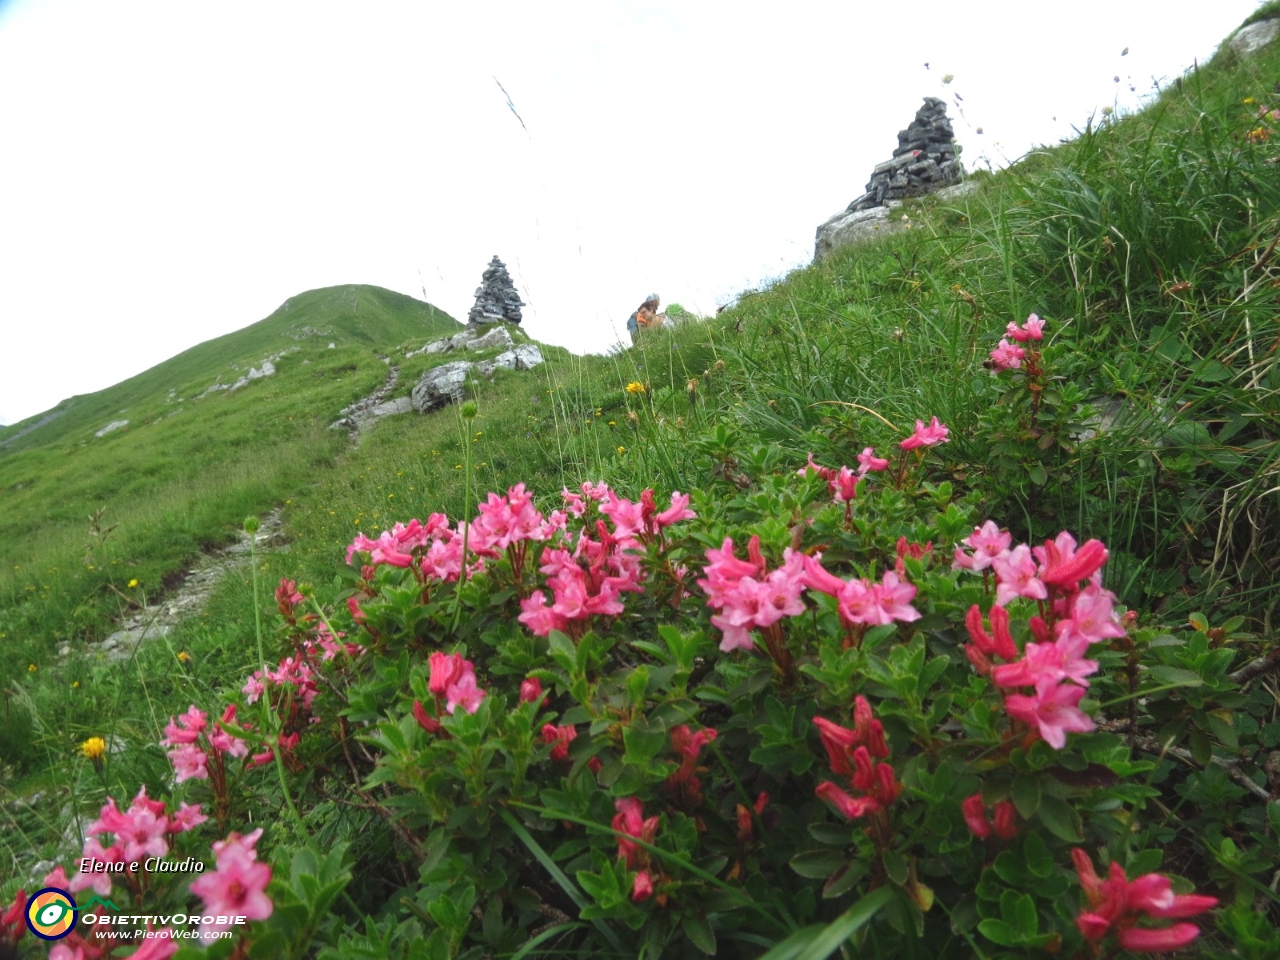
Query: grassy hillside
[(188, 466), (1148, 244)]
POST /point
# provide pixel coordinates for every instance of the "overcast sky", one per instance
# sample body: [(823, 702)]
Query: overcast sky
[(172, 171)]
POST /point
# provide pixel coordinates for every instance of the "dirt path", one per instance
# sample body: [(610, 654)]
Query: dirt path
[(188, 597)]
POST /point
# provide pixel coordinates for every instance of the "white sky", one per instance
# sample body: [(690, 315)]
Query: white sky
[(171, 171)]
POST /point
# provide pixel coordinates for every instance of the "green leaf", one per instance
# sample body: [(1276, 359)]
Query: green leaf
[(1038, 475), (644, 739), (817, 864), (819, 942), (895, 864), (1026, 796), (1061, 820), (698, 930), (1176, 675), (999, 932)]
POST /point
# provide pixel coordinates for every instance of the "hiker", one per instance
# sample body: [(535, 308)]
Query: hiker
[(646, 316)]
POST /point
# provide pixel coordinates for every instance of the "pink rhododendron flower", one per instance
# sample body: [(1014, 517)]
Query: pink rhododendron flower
[(1006, 820), (424, 719), (630, 820), (186, 817), (531, 690), (748, 595), (987, 543), (561, 737), (1046, 661), (158, 945), (510, 519), (99, 883), (1016, 576), (868, 461), (539, 616), (1093, 618), (1006, 356), (930, 436), (975, 816), (851, 808), (1032, 330), (679, 510), (844, 486), (1118, 904), (464, 693), (1052, 710), (1062, 565), (446, 670), (237, 887), (642, 887)]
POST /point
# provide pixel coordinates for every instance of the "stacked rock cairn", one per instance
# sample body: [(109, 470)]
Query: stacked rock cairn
[(496, 297), (924, 161)]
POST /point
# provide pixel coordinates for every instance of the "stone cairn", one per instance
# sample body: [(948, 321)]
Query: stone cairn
[(924, 161), (496, 297)]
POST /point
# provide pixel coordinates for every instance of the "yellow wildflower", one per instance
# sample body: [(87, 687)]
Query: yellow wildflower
[(75, 684), (184, 656), (133, 583), (622, 449), (635, 387), (32, 668), (94, 748)]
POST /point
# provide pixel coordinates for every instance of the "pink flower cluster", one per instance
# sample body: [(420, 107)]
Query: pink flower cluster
[(1074, 617), (927, 436), (688, 745), (586, 583), (293, 673), (860, 601), (975, 816), (137, 833), (853, 754), (237, 886), (194, 742), (843, 483), (748, 594), (1118, 904), (453, 680), (631, 821), (1009, 356)]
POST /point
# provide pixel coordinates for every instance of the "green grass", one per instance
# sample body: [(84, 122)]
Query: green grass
[(1097, 236)]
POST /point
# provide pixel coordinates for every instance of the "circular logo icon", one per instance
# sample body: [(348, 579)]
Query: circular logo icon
[(52, 913)]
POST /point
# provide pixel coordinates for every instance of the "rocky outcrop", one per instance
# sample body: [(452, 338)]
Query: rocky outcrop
[(268, 369), (858, 226), (367, 411), (472, 338), (1249, 40), (112, 427), (496, 297), (445, 384), (441, 386), (524, 357)]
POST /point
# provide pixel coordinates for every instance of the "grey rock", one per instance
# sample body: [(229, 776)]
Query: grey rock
[(846, 228), (1249, 40), (524, 357), (441, 386), (472, 338), (112, 426)]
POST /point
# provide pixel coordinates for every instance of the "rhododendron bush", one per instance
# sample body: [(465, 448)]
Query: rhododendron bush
[(836, 703)]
